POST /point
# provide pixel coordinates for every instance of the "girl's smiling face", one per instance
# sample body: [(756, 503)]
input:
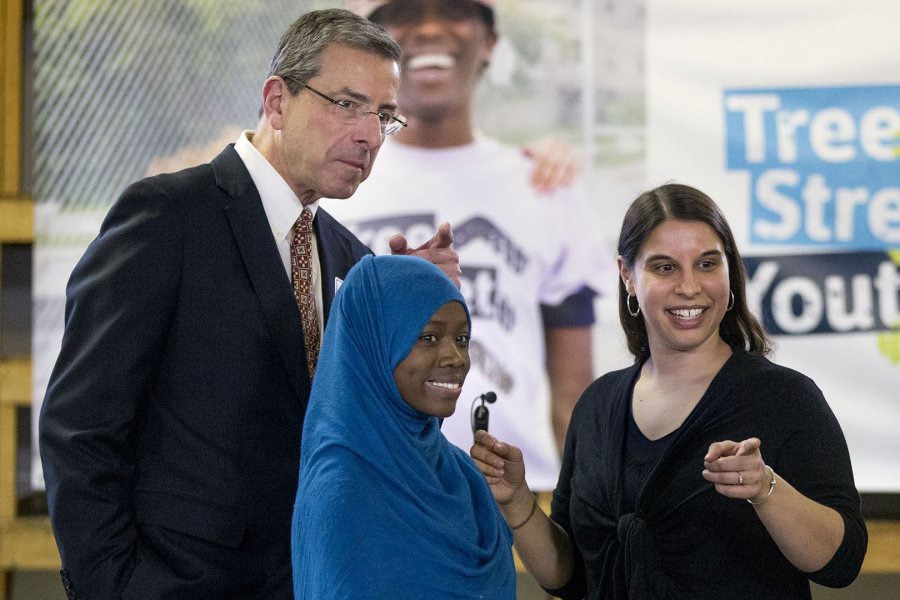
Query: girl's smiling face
[(430, 378)]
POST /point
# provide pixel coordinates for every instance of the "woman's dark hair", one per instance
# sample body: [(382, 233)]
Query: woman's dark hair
[(739, 326)]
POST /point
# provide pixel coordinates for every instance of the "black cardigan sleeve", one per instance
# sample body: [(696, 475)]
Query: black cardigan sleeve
[(816, 461)]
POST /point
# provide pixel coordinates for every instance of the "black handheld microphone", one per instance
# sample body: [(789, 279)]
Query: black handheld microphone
[(480, 414)]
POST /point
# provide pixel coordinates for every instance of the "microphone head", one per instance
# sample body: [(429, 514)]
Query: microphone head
[(489, 397)]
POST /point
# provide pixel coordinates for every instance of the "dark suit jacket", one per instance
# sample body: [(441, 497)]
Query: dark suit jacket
[(170, 431)]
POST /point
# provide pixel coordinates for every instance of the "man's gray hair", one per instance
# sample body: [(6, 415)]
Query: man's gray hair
[(298, 57)]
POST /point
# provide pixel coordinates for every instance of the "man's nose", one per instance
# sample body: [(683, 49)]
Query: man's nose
[(370, 131)]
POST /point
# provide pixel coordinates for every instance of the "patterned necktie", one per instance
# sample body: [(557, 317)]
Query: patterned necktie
[(302, 279)]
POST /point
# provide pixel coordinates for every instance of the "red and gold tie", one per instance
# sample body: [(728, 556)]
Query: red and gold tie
[(302, 279)]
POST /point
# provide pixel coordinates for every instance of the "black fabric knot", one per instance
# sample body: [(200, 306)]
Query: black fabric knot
[(630, 526), (644, 575)]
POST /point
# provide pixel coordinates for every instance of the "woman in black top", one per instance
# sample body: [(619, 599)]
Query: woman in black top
[(702, 471)]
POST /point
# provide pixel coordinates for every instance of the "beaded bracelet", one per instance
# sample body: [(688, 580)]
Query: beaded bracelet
[(534, 506), (771, 487)]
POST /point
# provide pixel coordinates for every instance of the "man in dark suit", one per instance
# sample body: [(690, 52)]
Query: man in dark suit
[(170, 431)]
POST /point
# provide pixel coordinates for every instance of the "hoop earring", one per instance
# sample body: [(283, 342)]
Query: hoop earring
[(636, 311), (730, 304)]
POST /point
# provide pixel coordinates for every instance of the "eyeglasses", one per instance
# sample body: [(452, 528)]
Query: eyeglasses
[(351, 111)]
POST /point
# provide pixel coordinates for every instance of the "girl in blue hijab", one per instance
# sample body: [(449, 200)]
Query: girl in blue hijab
[(387, 507)]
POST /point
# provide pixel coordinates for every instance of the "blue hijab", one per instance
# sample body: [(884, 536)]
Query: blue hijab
[(387, 507)]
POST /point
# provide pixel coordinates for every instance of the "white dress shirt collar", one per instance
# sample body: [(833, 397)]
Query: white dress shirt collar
[(282, 208), (279, 201)]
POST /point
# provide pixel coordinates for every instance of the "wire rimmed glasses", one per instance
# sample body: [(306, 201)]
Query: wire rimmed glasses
[(351, 111)]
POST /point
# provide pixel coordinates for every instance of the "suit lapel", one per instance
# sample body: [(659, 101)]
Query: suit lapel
[(339, 250), (260, 255), (325, 238)]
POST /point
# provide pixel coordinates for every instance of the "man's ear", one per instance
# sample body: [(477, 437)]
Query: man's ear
[(275, 91)]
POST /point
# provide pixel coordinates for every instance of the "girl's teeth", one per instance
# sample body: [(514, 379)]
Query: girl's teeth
[(692, 313), (449, 386)]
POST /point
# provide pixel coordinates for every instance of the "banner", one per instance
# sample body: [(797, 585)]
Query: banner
[(788, 115)]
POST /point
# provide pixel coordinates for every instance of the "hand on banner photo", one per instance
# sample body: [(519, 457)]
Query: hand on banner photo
[(556, 164), (438, 250)]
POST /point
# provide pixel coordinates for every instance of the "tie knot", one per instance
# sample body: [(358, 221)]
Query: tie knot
[(304, 221)]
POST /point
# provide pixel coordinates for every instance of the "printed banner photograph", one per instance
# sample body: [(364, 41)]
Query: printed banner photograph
[(795, 131)]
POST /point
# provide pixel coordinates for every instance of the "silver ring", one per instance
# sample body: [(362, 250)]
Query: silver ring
[(740, 478)]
